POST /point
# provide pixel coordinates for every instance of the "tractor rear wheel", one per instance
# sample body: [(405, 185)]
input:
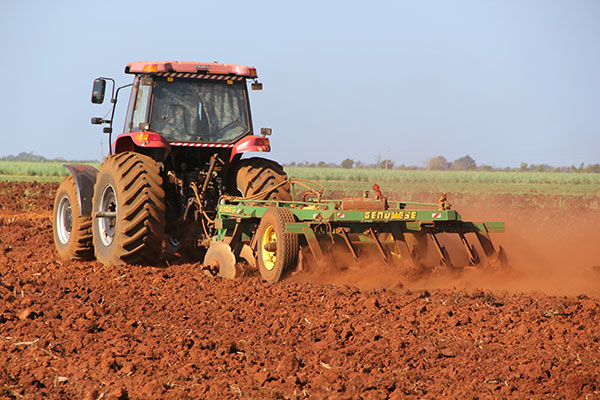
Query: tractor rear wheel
[(258, 175), (277, 250), (129, 198), (72, 233)]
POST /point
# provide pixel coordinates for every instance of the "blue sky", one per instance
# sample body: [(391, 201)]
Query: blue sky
[(501, 81)]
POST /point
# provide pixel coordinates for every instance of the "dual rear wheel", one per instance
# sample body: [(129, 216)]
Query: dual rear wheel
[(128, 214), (72, 233), (129, 224)]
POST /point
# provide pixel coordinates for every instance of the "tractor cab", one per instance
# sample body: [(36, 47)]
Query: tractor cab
[(175, 104), (189, 107)]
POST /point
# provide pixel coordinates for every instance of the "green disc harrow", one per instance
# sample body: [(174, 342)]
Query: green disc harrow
[(282, 236)]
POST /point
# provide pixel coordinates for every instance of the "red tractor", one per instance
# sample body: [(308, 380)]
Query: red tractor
[(186, 129)]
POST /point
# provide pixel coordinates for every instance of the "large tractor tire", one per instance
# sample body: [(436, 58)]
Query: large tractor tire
[(72, 233), (257, 175), (129, 188), (277, 250)]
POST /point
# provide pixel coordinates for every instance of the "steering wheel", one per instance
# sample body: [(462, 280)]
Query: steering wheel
[(230, 125)]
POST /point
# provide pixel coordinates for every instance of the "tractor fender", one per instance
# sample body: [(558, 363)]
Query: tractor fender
[(250, 143), (85, 179), (152, 140)]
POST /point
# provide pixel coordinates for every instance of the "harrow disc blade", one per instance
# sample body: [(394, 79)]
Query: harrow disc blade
[(220, 257)]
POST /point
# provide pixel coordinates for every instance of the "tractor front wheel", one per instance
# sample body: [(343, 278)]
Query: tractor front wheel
[(72, 233), (277, 250), (262, 179), (129, 210)]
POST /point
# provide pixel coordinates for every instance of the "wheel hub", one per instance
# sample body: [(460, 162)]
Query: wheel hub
[(65, 221), (268, 250), (106, 225)]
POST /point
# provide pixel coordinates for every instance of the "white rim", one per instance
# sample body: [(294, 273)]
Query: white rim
[(108, 203), (64, 223)]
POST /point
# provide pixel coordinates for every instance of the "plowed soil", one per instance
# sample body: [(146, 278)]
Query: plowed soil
[(79, 330)]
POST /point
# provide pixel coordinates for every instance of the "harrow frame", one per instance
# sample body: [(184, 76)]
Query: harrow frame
[(320, 222)]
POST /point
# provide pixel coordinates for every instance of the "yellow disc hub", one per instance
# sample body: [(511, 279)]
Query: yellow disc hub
[(268, 257)]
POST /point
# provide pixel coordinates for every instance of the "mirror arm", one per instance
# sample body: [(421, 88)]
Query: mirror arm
[(113, 100), (113, 85)]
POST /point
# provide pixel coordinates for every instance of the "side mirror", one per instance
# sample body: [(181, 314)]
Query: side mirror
[(256, 85), (98, 91), (265, 132)]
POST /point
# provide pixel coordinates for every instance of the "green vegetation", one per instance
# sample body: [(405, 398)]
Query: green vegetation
[(439, 163), (353, 181), (414, 176), (404, 182), (46, 170)]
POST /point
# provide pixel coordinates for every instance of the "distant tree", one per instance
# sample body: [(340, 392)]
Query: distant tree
[(321, 164), (592, 168), (359, 164), (438, 163), (24, 156), (486, 167), (464, 163), (386, 164), (544, 168), (348, 163), (293, 164)]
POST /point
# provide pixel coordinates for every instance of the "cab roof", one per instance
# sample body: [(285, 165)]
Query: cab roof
[(213, 68)]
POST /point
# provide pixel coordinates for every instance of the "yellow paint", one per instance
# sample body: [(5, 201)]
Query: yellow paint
[(269, 257), (227, 209)]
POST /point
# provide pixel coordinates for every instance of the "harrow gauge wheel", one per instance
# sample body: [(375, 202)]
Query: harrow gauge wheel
[(277, 250), (72, 233)]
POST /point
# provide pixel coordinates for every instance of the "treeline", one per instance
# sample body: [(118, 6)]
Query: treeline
[(440, 163), (31, 157)]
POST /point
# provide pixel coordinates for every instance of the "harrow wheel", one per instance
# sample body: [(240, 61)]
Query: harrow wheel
[(128, 210), (256, 175), (277, 250), (72, 233)]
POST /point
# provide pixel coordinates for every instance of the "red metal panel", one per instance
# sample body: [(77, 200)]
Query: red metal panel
[(155, 67), (143, 139), (251, 143)]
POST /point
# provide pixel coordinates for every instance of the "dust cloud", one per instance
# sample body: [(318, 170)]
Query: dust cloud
[(550, 251)]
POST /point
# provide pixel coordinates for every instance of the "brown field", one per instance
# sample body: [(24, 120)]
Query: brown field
[(80, 330)]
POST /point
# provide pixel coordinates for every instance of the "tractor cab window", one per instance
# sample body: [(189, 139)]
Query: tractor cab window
[(200, 110), (141, 106)]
